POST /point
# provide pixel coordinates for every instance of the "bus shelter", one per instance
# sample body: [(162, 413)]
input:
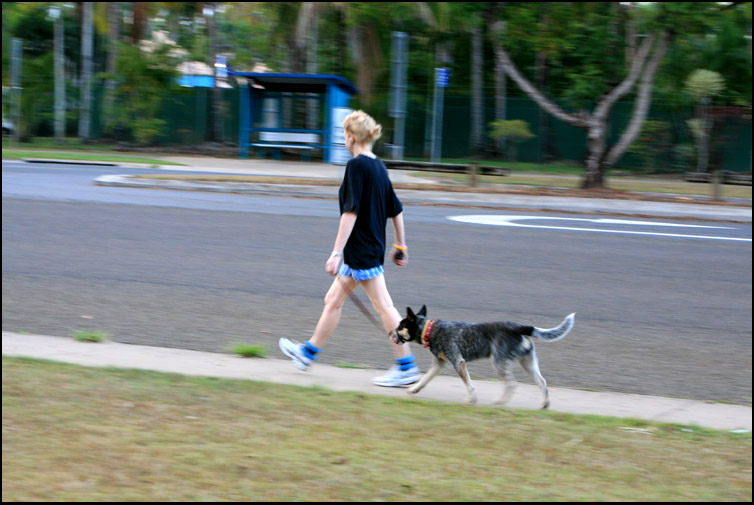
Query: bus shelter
[(302, 112)]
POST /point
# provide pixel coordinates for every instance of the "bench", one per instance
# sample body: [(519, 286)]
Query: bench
[(287, 140)]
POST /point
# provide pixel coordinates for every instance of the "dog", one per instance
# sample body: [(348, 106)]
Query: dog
[(460, 342)]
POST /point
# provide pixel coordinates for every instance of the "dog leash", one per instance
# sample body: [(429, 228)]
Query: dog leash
[(357, 301), (360, 305)]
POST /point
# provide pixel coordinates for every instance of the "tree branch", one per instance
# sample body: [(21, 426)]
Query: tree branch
[(641, 108), (510, 69), (628, 83)]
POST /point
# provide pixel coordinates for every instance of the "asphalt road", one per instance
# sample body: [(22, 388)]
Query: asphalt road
[(657, 314)]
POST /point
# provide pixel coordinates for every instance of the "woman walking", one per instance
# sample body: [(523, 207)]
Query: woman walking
[(367, 200)]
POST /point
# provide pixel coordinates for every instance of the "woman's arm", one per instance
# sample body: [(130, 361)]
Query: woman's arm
[(347, 222), (400, 241)]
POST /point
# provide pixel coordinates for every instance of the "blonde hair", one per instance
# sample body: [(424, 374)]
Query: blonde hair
[(362, 126)]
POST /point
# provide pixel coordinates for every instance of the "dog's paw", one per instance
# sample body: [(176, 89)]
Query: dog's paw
[(545, 405), (412, 390)]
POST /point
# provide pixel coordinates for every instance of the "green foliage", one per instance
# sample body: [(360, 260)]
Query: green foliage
[(145, 78), (652, 142), (514, 130), (89, 336), (704, 84)]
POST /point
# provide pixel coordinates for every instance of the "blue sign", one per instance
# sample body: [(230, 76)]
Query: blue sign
[(441, 77), (221, 66)]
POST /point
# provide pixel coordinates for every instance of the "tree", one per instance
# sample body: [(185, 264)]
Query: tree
[(642, 70), (514, 131), (596, 77), (703, 85)]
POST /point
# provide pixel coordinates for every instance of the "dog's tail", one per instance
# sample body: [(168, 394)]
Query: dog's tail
[(556, 333)]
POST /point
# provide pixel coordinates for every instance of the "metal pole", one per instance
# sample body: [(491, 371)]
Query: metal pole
[(87, 45), (15, 74), (398, 91), (59, 75), (437, 120)]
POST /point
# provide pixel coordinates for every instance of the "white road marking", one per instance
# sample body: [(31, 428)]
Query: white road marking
[(512, 221)]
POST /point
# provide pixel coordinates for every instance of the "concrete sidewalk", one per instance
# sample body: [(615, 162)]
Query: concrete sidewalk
[(454, 198), (442, 388)]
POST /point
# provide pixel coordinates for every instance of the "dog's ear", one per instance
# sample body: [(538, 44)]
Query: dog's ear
[(423, 311), (410, 313)]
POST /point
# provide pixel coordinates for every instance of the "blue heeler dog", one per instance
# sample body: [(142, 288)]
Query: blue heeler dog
[(459, 342)]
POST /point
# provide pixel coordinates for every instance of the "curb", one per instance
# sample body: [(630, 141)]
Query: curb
[(70, 162)]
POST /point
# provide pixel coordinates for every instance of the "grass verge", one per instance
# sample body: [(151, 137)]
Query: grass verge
[(72, 433), (489, 184), (12, 154)]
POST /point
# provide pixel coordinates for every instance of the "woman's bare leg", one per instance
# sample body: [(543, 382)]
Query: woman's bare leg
[(334, 300), (377, 292)]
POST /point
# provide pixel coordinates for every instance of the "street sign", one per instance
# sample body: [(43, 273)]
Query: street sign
[(442, 75)]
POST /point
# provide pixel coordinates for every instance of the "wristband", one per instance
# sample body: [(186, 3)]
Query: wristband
[(400, 247)]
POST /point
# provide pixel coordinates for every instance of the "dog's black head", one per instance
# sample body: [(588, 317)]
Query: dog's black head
[(410, 328)]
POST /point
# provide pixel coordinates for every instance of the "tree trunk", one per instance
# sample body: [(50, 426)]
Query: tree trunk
[(477, 109), (139, 19), (500, 101), (87, 42)]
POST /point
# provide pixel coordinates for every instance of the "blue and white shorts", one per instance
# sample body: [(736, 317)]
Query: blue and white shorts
[(361, 275)]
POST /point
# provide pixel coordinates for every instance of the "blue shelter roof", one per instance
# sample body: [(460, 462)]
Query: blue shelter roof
[(298, 83)]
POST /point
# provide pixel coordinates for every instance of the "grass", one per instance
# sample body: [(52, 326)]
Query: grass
[(622, 183), (71, 143), (490, 182), (343, 364), (129, 435), (12, 154), (250, 350), (89, 336), (561, 167)]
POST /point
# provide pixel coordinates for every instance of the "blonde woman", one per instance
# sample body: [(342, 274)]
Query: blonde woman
[(367, 201)]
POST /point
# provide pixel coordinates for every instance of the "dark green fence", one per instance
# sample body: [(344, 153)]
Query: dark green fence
[(188, 114)]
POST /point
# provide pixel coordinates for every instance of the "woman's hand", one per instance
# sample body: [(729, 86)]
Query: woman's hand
[(333, 263), (399, 255)]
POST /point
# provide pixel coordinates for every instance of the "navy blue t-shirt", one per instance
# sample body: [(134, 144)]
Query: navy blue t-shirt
[(366, 190)]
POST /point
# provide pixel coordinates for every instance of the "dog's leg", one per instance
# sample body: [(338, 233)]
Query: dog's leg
[(503, 367), (437, 365), (530, 364), (463, 371)]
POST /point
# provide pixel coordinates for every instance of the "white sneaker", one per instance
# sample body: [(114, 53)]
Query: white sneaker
[(293, 350), (395, 377)]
